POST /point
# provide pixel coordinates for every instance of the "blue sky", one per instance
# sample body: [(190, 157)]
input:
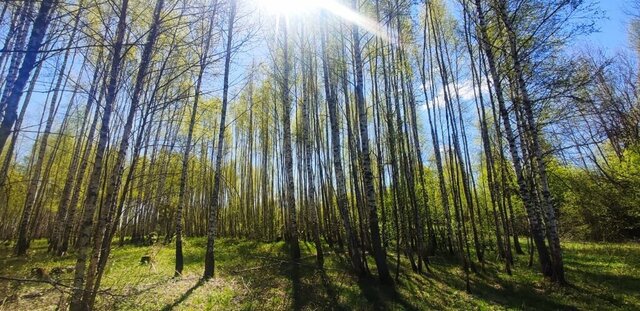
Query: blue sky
[(612, 35)]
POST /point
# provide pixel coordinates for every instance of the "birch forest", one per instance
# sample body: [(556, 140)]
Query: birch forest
[(318, 155)]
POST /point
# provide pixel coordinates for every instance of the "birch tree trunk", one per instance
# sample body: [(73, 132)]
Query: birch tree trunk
[(378, 251), (209, 259), (38, 31), (341, 188), (77, 301), (535, 222), (187, 149)]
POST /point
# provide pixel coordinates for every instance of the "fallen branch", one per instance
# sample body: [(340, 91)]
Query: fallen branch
[(46, 281), (259, 267)]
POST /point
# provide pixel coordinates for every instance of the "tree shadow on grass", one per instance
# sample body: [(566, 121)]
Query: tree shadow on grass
[(331, 291), (510, 296), (311, 287), (296, 285), (592, 283), (490, 287), (292, 271), (380, 296), (191, 257), (183, 297)]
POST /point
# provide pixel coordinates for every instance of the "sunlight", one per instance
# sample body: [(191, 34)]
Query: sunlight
[(287, 7), (298, 7)]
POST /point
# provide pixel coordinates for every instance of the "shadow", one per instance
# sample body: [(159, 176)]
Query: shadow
[(369, 292), (308, 287), (619, 283), (331, 292), (490, 287), (513, 297), (191, 257), (378, 295), (591, 283), (183, 297), (298, 302)]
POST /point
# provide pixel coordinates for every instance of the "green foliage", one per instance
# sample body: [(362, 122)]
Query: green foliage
[(600, 204)]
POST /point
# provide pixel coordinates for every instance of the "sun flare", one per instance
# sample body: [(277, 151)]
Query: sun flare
[(289, 8)]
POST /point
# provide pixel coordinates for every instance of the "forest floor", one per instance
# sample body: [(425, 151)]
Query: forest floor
[(253, 275)]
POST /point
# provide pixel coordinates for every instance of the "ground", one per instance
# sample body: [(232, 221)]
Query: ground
[(253, 275)]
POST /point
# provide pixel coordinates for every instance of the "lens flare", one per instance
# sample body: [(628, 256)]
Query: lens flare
[(300, 7)]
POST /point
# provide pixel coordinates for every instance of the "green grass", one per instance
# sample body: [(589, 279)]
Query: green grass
[(253, 275)]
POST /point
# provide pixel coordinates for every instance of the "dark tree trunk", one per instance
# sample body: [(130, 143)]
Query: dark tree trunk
[(209, 260), (38, 31), (378, 251)]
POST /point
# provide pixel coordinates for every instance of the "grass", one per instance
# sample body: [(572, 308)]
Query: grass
[(252, 275)]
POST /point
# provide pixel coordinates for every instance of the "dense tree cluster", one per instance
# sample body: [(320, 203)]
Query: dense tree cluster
[(380, 128)]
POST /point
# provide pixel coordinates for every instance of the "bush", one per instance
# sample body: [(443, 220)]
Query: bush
[(602, 203)]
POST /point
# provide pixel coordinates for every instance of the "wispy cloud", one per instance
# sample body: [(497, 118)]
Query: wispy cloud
[(465, 89)]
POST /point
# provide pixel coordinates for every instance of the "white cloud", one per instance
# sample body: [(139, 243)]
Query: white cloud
[(466, 92)]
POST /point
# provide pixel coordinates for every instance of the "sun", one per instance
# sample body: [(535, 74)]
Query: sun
[(288, 7)]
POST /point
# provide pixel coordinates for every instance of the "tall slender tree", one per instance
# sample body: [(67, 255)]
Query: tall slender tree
[(209, 263)]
